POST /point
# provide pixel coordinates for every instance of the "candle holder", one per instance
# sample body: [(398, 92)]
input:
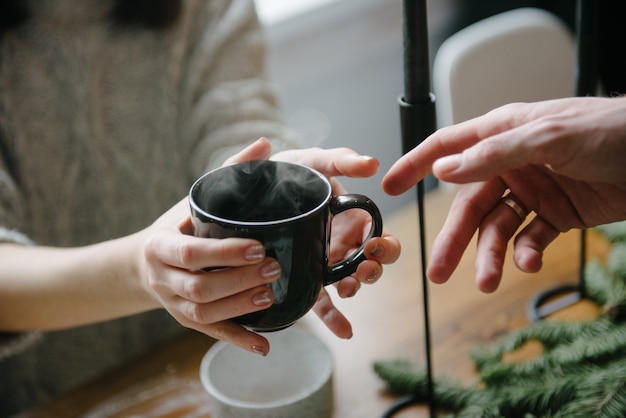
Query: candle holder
[(587, 18), (418, 121)]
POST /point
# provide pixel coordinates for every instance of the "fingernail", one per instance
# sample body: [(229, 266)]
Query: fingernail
[(377, 251), (261, 299), (372, 278), (356, 289), (259, 350), (270, 270), (254, 253), (447, 164)]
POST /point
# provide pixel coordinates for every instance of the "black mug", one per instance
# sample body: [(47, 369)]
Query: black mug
[(288, 208)]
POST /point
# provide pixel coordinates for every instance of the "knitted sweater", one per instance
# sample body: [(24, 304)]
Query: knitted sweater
[(103, 128)]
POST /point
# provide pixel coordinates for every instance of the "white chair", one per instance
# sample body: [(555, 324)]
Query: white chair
[(522, 55)]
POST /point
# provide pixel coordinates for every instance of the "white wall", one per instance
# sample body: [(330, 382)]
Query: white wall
[(338, 67)]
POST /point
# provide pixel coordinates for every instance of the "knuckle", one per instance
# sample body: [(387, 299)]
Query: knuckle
[(153, 281), (508, 110), (197, 313), (246, 278), (219, 332), (241, 281), (150, 248), (194, 290), (488, 150), (239, 307), (185, 253), (223, 250), (323, 307), (327, 313), (157, 247)]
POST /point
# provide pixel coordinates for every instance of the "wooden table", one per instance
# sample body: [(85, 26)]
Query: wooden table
[(387, 321)]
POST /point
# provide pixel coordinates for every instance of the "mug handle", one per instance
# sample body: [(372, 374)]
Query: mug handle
[(342, 203)]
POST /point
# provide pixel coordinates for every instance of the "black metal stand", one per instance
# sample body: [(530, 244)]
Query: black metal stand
[(417, 119), (587, 16)]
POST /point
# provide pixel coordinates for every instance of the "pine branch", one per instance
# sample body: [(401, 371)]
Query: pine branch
[(613, 406), (614, 232), (580, 373), (407, 378)]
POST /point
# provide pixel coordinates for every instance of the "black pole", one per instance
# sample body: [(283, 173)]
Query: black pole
[(417, 120), (587, 79), (416, 57), (587, 21)]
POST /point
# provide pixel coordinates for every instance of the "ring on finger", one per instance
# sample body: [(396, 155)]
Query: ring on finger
[(510, 201)]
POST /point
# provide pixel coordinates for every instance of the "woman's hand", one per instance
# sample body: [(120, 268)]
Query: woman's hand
[(201, 300), (173, 259)]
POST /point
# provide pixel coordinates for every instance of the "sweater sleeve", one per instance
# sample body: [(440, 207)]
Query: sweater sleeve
[(11, 218), (12, 208), (227, 101)]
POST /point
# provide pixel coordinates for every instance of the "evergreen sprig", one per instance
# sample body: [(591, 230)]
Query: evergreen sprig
[(581, 371)]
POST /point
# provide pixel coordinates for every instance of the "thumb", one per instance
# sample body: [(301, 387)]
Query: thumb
[(261, 149)]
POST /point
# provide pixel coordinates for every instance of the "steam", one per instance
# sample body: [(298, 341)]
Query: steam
[(260, 191)]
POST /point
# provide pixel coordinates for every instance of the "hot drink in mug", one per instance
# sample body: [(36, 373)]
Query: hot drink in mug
[(288, 208)]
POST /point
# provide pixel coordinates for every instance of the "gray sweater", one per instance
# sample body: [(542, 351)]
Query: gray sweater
[(102, 129)]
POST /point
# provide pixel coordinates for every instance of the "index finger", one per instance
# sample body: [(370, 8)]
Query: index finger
[(417, 163), (333, 162), (454, 139), (195, 253), (261, 149)]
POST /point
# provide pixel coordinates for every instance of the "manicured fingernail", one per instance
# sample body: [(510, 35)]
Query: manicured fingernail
[(372, 278), (356, 289), (447, 164), (259, 350), (254, 253), (377, 251), (261, 299), (270, 270)]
